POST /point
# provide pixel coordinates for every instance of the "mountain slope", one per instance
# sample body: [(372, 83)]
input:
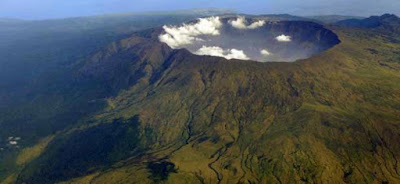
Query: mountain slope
[(40, 89), (182, 118), (43, 60)]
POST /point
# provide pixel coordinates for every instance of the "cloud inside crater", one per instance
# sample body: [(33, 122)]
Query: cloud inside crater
[(220, 52), (284, 38), (231, 38), (186, 34), (265, 52), (241, 23)]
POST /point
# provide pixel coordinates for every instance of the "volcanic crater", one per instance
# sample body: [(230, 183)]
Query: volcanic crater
[(257, 39)]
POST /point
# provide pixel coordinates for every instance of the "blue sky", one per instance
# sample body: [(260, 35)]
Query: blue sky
[(42, 9)]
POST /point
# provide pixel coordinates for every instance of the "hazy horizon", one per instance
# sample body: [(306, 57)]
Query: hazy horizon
[(52, 9)]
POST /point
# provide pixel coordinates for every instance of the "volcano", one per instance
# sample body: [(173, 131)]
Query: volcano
[(189, 103)]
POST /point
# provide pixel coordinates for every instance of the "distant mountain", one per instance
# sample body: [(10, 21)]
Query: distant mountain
[(372, 22), (9, 20), (199, 11), (282, 17), (328, 19)]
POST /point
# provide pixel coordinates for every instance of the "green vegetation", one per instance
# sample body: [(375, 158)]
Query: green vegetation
[(160, 170), (172, 117), (31, 153), (40, 93)]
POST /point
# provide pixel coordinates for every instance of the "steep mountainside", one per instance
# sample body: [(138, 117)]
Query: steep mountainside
[(39, 90), (40, 57), (174, 117)]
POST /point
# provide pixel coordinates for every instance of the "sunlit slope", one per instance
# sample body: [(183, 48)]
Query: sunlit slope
[(183, 118)]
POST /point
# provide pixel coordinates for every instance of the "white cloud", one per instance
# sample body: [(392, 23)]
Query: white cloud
[(13, 142), (219, 52), (241, 23), (257, 24), (236, 54), (284, 38), (265, 52), (211, 51), (186, 34)]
